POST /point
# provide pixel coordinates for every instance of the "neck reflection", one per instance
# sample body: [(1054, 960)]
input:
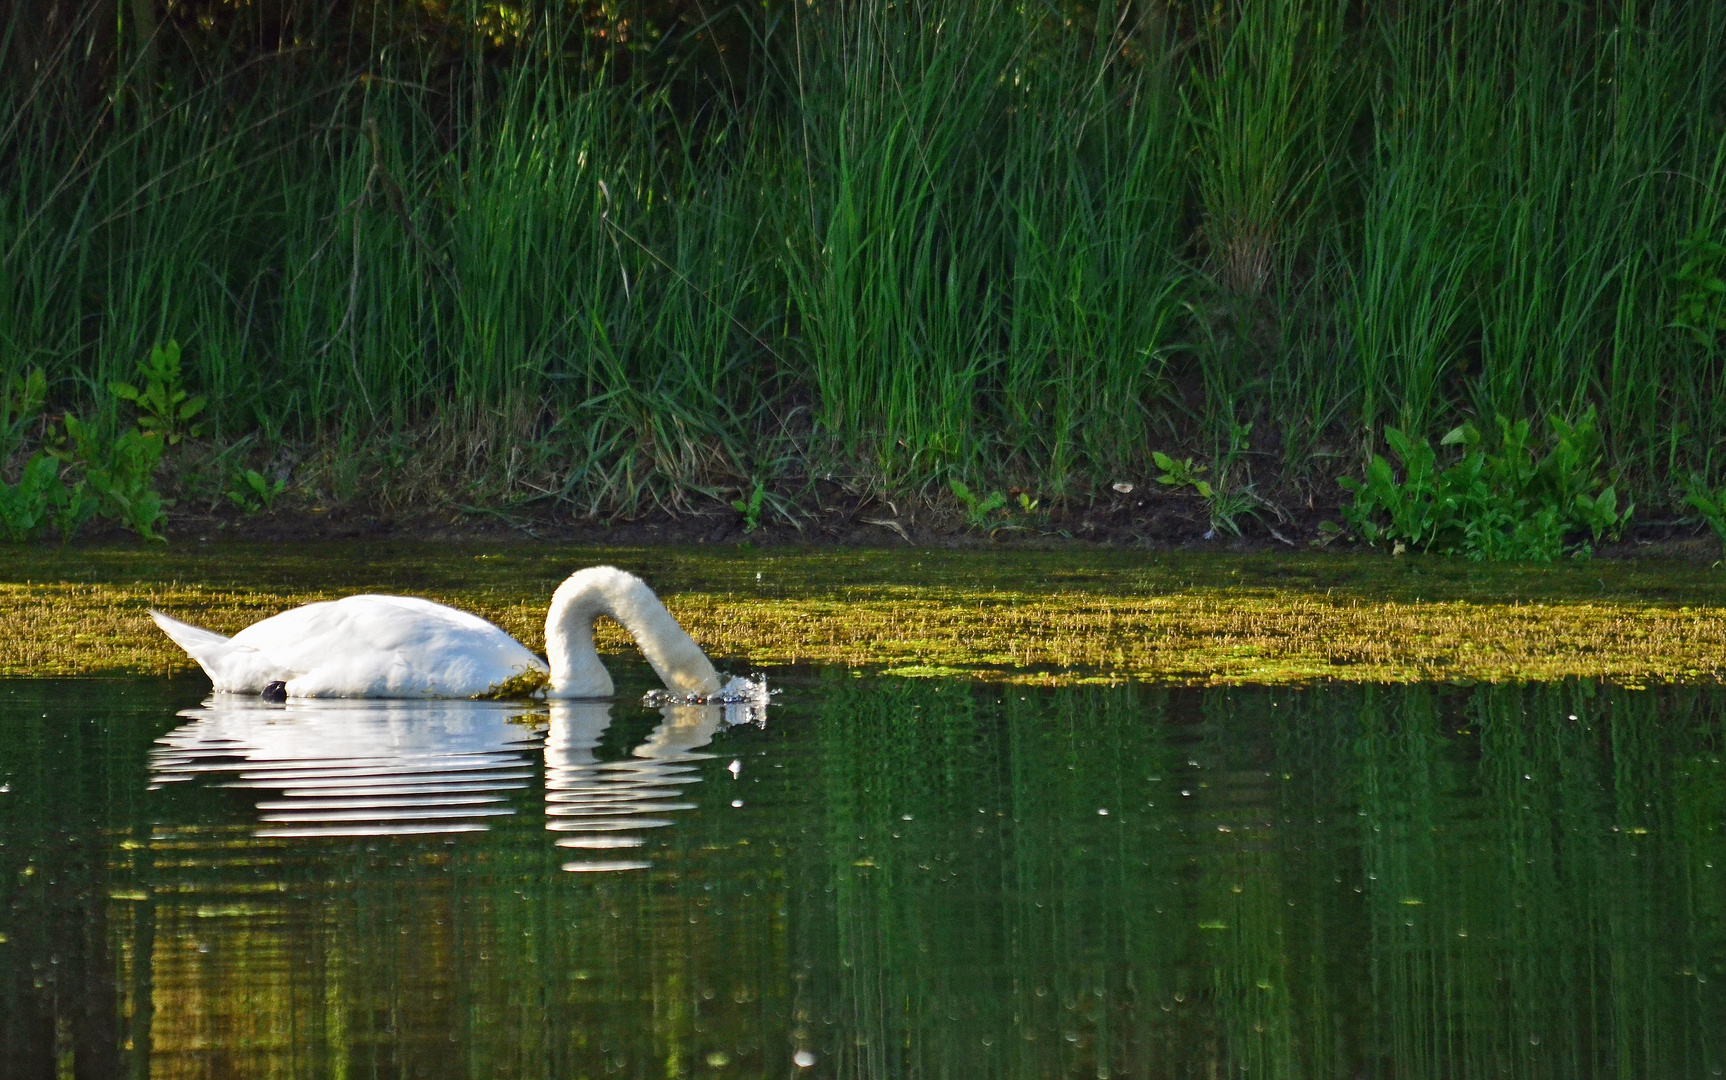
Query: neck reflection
[(606, 806)]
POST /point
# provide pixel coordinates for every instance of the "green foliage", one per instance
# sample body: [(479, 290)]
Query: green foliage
[(251, 491), (1500, 504), (977, 511), (1225, 503), (24, 506), (751, 510), (114, 478), (40, 499), (1228, 508), (25, 395), (165, 407), (1701, 281), (119, 473), (1179, 474), (891, 258), (1709, 504)]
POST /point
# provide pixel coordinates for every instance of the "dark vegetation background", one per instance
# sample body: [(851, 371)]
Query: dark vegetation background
[(605, 259)]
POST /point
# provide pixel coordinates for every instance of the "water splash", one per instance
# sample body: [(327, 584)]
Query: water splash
[(745, 699)]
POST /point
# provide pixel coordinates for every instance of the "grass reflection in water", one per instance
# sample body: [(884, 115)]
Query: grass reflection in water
[(902, 878)]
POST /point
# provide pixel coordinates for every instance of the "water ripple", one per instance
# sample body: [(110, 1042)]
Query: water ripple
[(604, 805), (356, 768), (401, 768)]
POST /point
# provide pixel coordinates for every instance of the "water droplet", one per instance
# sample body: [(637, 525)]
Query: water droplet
[(718, 1059), (1102, 811), (735, 768), (804, 1058), (736, 802)]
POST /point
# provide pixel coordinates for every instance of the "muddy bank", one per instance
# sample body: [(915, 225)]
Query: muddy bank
[(1140, 520)]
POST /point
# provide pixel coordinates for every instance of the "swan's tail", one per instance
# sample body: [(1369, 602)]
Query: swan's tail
[(233, 668)]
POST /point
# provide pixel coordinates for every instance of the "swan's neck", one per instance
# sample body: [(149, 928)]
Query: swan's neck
[(603, 590)]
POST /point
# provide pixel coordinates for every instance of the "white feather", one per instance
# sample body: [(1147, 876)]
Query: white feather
[(404, 647)]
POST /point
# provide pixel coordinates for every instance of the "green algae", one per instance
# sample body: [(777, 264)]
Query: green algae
[(1044, 616), (522, 685)]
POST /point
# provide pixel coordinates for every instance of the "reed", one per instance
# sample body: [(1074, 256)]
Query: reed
[(904, 244)]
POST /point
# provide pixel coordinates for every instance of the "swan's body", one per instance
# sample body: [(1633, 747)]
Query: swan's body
[(403, 647)]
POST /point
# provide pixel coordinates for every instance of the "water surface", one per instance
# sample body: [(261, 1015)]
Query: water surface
[(877, 877)]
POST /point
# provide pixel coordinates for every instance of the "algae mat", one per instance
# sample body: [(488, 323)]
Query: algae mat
[(1047, 617)]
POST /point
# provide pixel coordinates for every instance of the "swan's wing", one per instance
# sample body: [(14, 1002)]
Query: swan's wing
[(232, 666), (389, 647)]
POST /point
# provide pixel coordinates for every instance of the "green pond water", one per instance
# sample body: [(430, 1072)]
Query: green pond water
[(870, 878)]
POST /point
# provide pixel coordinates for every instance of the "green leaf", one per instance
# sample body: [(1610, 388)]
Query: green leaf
[(1708, 507), (1606, 503), (1398, 442), (1464, 434)]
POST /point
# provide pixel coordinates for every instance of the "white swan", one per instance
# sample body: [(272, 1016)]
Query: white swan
[(403, 647)]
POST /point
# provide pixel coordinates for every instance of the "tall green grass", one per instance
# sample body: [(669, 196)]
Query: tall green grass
[(920, 241)]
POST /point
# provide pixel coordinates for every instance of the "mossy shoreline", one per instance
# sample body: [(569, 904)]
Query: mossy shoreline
[(1020, 616)]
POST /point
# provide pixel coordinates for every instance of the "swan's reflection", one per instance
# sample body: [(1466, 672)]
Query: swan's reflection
[(604, 806), (384, 768), (356, 768)]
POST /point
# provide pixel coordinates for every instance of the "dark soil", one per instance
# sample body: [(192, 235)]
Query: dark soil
[(1152, 520)]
